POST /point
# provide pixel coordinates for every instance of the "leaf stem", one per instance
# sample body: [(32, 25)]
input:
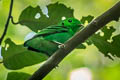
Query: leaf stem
[(7, 22), (12, 20)]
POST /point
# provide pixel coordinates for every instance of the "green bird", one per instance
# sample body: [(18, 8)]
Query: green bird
[(47, 41)]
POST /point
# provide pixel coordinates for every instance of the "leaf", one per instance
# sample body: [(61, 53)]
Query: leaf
[(101, 42), (116, 44), (81, 46), (17, 76), (55, 11), (16, 56), (104, 43), (88, 18)]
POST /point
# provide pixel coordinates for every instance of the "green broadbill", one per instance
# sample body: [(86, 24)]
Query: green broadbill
[(48, 39)]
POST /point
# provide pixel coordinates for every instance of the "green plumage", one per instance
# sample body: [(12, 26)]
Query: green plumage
[(48, 39)]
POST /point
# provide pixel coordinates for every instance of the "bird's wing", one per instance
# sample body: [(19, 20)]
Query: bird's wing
[(51, 30), (40, 44), (48, 31)]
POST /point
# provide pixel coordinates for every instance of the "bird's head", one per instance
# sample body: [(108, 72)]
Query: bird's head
[(72, 23)]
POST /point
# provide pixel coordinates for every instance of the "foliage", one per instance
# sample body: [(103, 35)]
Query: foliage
[(17, 57), (105, 43), (21, 57), (56, 12), (17, 76)]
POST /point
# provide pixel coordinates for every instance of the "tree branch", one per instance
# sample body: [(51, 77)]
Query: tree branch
[(7, 22), (110, 15)]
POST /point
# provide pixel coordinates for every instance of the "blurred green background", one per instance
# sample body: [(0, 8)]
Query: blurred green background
[(89, 60)]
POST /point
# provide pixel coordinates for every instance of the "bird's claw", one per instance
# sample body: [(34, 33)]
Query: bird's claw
[(61, 46)]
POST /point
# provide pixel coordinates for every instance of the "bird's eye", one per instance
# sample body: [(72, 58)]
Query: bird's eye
[(70, 20)]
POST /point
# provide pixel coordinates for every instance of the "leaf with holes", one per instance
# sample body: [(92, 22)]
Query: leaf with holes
[(104, 43), (34, 19), (88, 18)]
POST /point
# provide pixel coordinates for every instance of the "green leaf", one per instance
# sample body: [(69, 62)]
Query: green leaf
[(88, 18), (105, 46), (18, 76), (55, 11), (16, 56), (81, 46), (104, 43)]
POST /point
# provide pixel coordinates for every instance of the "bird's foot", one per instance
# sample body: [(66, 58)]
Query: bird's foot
[(61, 46)]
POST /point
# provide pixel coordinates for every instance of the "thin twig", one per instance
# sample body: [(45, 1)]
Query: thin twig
[(110, 15), (7, 22)]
